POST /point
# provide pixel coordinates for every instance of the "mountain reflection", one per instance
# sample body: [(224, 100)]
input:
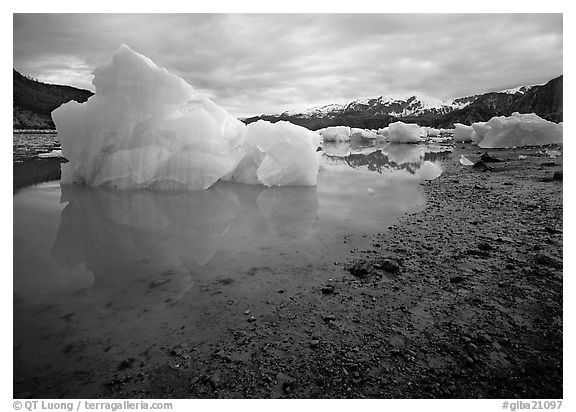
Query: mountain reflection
[(406, 157), (110, 230)]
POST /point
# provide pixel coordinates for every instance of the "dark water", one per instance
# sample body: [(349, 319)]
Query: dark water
[(100, 275)]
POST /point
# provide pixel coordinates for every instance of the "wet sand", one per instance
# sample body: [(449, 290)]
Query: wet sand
[(461, 299)]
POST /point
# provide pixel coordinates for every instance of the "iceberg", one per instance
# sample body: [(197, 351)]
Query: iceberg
[(479, 131), (383, 131), (147, 128), (520, 130), (335, 133), (432, 132), (289, 153), (362, 133), (399, 132), (462, 133)]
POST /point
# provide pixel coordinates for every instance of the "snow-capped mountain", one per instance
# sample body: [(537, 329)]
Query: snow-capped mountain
[(518, 90), (397, 105), (370, 113), (388, 105)]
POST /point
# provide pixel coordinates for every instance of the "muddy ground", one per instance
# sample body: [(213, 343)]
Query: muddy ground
[(460, 300)]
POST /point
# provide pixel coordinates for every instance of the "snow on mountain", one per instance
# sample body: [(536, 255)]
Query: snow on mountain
[(394, 105), (519, 89)]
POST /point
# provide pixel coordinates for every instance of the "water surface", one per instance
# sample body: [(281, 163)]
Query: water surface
[(100, 275)]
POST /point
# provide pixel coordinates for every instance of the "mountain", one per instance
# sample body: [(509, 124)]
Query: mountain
[(33, 101), (544, 100)]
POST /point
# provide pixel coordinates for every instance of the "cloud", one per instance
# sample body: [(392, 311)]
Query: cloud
[(264, 63)]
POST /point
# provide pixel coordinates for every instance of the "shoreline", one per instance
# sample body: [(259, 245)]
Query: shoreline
[(462, 299)]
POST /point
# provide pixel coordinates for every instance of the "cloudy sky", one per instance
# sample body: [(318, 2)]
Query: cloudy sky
[(267, 63)]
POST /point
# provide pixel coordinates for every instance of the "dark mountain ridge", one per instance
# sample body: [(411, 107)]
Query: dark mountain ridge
[(33, 101)]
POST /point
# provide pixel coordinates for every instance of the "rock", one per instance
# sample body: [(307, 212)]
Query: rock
[(360, 269), (314, 343), (389, 265), (489, 159), (456, 279), (547, 260), (552, 231), (557, 176), (251, 319), (470, 348), (479, 253), (329, 318), (158, 282), (484, 246), (468, 361), (480, 187), (215, 380), (481, 166), (126, 363), (328, 290)]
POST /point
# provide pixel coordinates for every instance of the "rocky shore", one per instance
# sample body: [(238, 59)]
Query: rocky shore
[(462, 299)]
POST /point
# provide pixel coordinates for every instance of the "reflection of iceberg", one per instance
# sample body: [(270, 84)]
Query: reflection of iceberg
[(405, 153), (338, 149), (410, 158), (111, 230)]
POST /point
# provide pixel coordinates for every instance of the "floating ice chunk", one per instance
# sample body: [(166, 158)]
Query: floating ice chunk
[(432, 132), (521, 130), (370, 191), (423, 133), (383, 131), (428, 171), (290, 157), (362, 133), (522, 157), (462, 133), (479, 131), (465, 161), (145, 127), (553, 153), (399, 132), (53, 153), (335, 133)]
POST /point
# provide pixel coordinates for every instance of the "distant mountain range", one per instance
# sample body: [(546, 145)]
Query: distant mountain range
[(544, 100), (33, 101)]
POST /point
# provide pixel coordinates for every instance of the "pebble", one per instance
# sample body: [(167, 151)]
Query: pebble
[(327, 290), (470, 348), (158, 282)]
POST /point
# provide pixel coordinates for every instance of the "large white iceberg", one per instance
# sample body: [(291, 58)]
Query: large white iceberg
[(519, 130), (147, 128), (335, 133), (399, 132), (462, 133)]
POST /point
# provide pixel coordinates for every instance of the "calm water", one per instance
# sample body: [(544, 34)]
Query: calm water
[(98, 273)]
